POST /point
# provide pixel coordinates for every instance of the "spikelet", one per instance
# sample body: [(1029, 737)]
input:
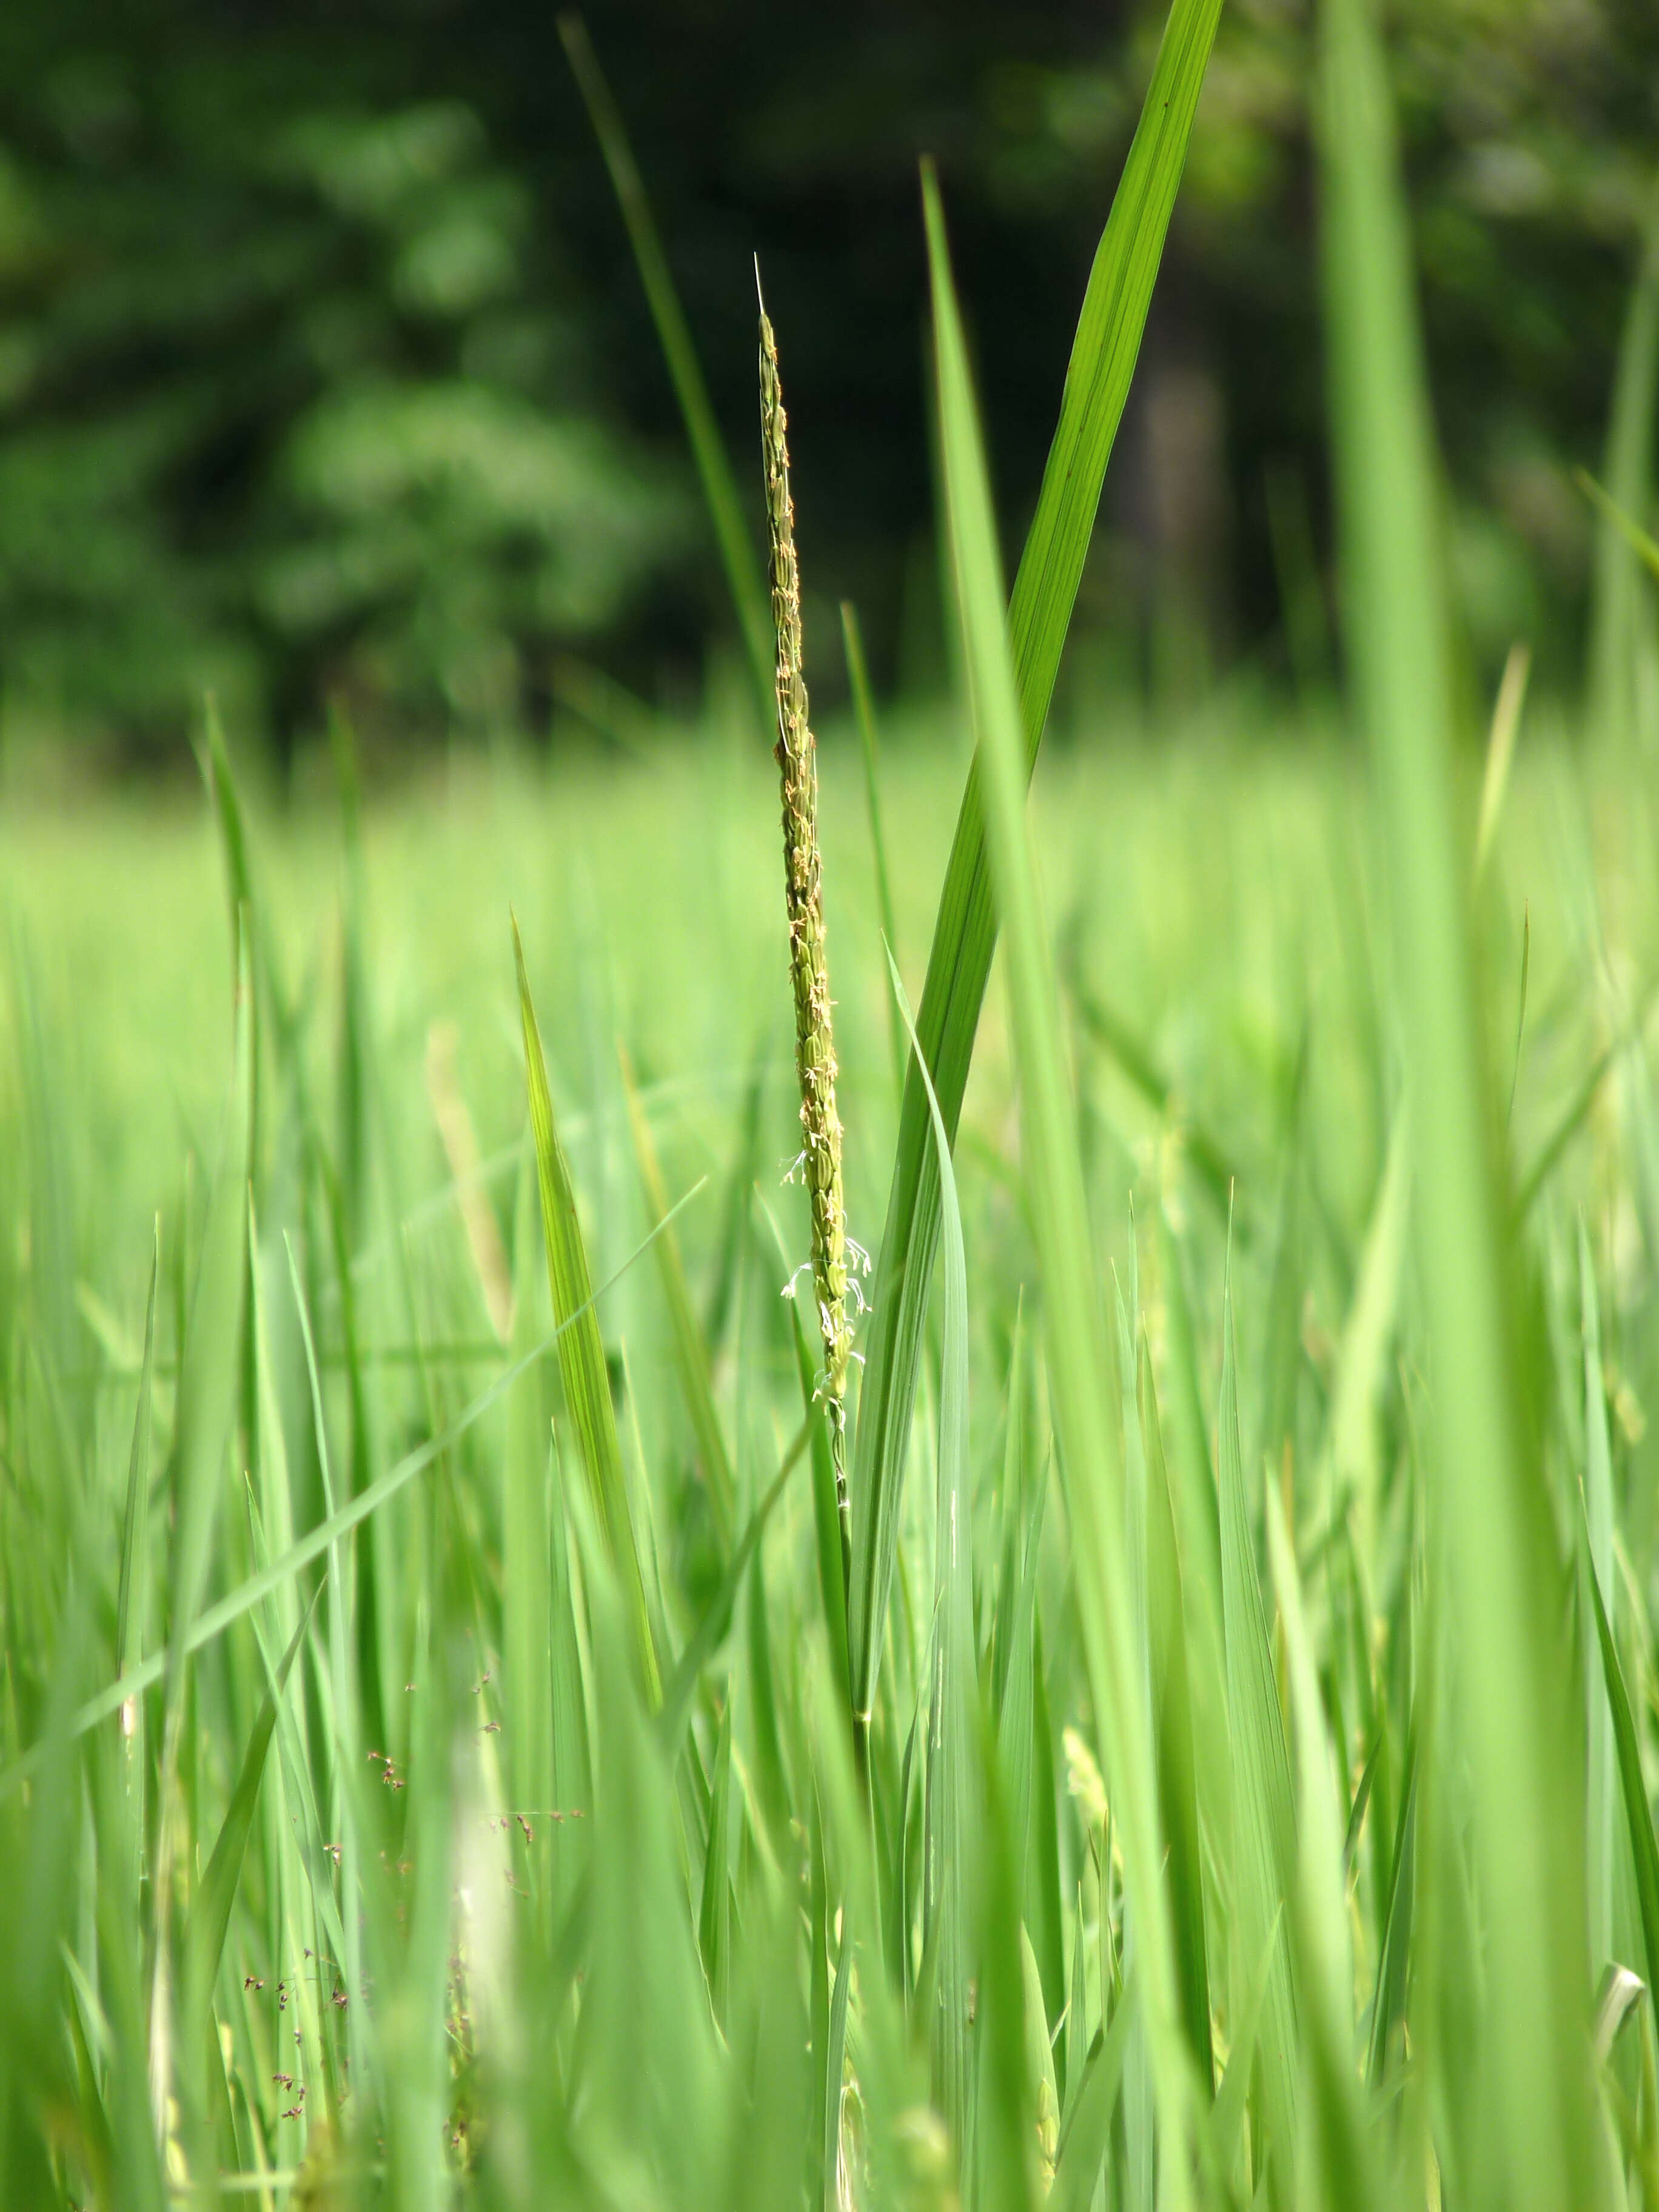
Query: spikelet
[(815, 1049)]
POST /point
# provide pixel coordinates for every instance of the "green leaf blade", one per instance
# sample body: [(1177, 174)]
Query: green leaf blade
[(1079, 1360), (581, 1350), (964, 930)]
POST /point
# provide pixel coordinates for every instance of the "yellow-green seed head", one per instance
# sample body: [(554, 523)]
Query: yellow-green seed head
[(796, 754)]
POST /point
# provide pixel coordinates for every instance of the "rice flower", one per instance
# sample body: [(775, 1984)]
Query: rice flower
[(815, 1049)]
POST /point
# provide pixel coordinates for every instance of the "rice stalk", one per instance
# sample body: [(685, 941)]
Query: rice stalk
[(809, 971)]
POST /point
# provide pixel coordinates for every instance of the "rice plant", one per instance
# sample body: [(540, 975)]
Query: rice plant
[(502, 1709)]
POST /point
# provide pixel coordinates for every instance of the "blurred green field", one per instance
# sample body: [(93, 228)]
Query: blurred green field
[(1214, 891), (1213, 881), (647, 900), (1215, 877)]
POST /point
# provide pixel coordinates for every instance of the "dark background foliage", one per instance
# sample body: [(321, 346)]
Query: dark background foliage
[(325, 370)]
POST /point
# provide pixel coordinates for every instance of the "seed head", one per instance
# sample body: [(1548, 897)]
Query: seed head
[(815, 1049)]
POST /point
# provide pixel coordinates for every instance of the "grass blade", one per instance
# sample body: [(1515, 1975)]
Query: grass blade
[(858, 676), (209, 1921), (1215, 1172), (1520, 1016), (647, 2038), (690, 1354), (1016, 2097), (1089, 2121), (1576, 1112), (1645, 1852), (1015, 1721), (735, 1199), (1172, 1725), (345, 1690), (714, 1914), (708, 449), (835, 2071), (134, 1588), (133, 1592), (209, 1375), (1264, 1822), (771, 1782), (581, 1350), (826, 1515), (952, 1814), (675, 1701), (1598, 1522), (1077, 1355), (217, 1617), (1637, 539), (208, 1369), (1226, 2122), (1488, 1521), (1097, 378), (1319, 1919), (527, 1619), (1500, 751), (1394, 1955)]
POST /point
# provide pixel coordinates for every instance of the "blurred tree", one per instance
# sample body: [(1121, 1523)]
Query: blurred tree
[(323, 368), (1530, 132), (291, 400)]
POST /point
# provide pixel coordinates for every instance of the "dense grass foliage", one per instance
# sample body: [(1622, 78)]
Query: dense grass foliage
[(1222, 995), (449, 1755)]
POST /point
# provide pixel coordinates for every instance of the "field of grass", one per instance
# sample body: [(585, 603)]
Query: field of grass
[(454, 1751)]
